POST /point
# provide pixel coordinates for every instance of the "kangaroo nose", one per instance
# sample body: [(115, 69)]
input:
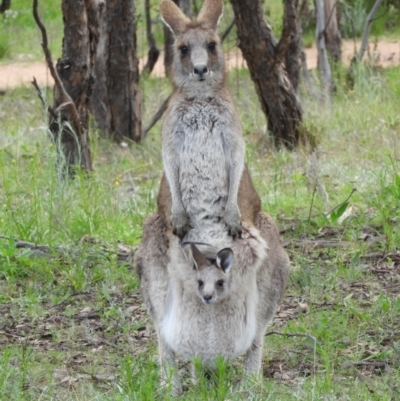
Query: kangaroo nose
[(200, 71), (207, 298)]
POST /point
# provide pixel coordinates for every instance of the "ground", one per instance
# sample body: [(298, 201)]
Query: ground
[(13, 74)]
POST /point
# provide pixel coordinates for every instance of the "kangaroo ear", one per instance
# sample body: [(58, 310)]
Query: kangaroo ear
[(173, 17), (199, 259), (225, 259), (211, 13)]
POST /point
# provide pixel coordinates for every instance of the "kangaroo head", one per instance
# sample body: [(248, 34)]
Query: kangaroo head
[(213, 278), (198, 58)]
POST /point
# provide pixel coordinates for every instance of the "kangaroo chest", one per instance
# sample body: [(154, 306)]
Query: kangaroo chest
[(226, 328), (201, 141)]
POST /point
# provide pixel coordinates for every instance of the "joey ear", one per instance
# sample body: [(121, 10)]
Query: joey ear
[(211, 13), (225, 259), (199, 259), (173, 17)]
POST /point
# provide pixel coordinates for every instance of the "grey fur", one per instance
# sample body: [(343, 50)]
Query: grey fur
[(203, 148), (235, 322)]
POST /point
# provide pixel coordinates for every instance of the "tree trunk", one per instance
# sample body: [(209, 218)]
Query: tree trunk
[(153, 53), (293, 56), (333, 39), (323, 62), (364, 43), (4, 6), (264, 59), (116, 102), (186, 7), (75, 71)]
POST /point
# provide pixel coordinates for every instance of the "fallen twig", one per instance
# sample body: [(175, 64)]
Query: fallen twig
[(375, 364), (309, 336), (317, 243), (123, 255)]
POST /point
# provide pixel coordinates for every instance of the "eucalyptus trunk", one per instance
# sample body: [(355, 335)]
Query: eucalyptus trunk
[(264, 59), (116, 100)]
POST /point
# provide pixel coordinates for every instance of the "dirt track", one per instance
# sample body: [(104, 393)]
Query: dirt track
[(15, 74)]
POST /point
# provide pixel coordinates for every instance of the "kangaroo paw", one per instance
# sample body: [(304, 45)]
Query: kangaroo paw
[(232, 221), (180, 224)]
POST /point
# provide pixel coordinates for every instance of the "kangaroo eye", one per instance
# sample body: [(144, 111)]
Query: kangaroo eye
[(184, 49), (211, 46), (220, 283), (200, 283)]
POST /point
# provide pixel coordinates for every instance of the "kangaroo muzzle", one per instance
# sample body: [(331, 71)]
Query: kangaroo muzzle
[(200, 71)]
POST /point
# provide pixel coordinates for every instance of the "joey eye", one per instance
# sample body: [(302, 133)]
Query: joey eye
[(211, 46), (220, 283), (201, 283), (184, 49)]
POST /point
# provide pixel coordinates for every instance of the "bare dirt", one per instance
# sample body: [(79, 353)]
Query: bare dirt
[(14, 74)]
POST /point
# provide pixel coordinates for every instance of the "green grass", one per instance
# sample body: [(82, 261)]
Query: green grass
[(72, 323)]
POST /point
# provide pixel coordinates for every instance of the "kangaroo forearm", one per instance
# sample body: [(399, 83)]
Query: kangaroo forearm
[(235, 174), (235, 150), (172, 174)]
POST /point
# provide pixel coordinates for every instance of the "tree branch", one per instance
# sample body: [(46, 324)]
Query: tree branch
[(156, 117), (288, 33), (50, 110), (67, 100), (227, 30), (368, 23)]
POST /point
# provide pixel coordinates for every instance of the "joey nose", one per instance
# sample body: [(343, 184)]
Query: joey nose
[(200, 71), (207, 298)]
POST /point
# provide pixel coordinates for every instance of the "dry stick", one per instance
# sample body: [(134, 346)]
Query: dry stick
[(156, 117), (227, 30), (67, 100), (312, 203), (41, 97), (30, 245), (122, 256), (309, 336)]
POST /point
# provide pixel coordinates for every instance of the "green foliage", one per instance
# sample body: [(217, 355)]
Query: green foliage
[(353, 15)]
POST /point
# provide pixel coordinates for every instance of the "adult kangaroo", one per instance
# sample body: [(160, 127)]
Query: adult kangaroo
[(202, 143), (203, 304)]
